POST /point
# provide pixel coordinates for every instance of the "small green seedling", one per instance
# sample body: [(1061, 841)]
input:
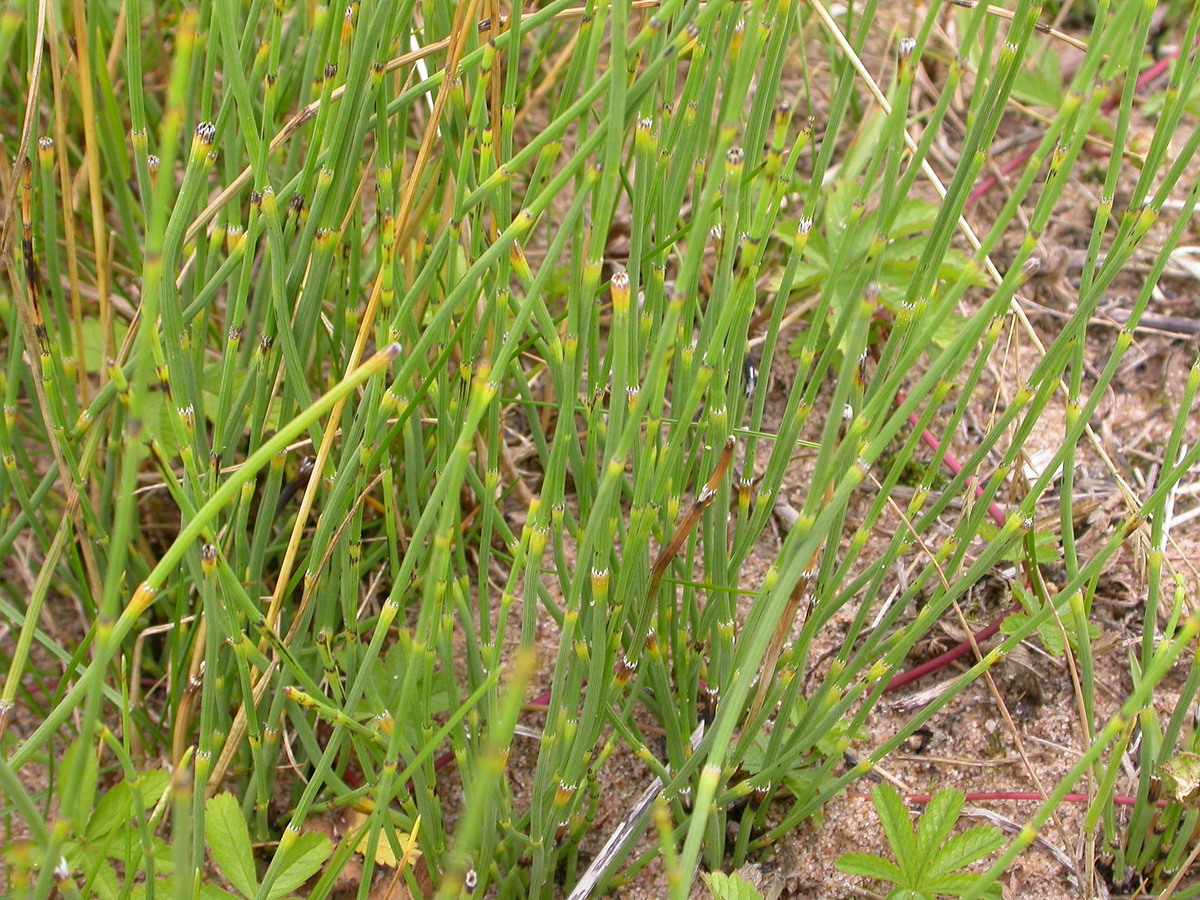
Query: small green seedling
[(730, 886), (1051, 632), (928, 862)]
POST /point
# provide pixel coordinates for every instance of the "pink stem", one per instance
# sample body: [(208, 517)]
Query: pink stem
[(950, 461), (1155, 71), (950, 655)]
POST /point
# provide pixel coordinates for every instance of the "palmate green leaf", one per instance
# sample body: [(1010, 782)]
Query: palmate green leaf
[(926, 862), (961, 882), (730, 887), (870, 866), (383, 691), (963, 849), (893, 816), (228, 841), (936, 824), (850, 241), (300, 862), (95, 862)]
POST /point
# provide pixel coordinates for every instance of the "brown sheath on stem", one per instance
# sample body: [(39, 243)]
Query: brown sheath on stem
[(783, 627), (690, 518)]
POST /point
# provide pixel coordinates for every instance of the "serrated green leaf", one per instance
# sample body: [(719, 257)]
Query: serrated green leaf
[(870, 866), (112, 811), (845, 242), (228, 841), (86, 858), (961, 882), (300, 862), (954, 883), (893, 816), (119, 804), (925, 861), (908, 894), (730, 886), (1045, 545), (804, 776), (963, 849), (1051, 638), (103, 881), (151, 785), (1013, 623), (937, 822)]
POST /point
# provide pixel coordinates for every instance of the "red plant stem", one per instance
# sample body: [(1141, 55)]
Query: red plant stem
[(951, 462), (952, 654), (1155, 71), (441, 762), (992, 180)]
